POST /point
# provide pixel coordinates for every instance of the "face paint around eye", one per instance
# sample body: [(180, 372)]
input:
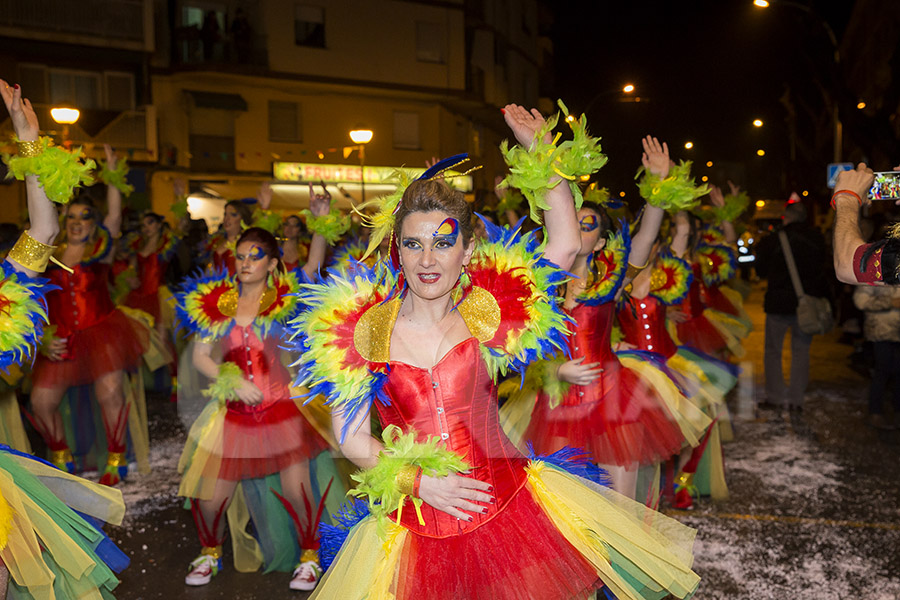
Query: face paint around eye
[(449, 230), (589, 223), (256, 253)]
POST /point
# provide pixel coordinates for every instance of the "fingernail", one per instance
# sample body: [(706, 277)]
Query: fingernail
[(16, 86), (492, 500), (469, 519), (483, 511), (502, 110), (490, 489)]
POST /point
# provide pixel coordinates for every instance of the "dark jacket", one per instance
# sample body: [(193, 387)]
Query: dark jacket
[(813, 263)]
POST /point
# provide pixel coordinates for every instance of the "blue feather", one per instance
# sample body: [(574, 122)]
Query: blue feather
[(574, 461), (332, 537), (443, 165)]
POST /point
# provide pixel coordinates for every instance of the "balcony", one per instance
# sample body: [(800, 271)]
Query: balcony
[(124, 24)]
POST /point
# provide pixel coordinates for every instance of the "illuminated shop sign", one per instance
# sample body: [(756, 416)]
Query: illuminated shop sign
[(315, 172)]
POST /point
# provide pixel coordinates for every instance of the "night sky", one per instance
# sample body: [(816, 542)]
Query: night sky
[(705, 69)]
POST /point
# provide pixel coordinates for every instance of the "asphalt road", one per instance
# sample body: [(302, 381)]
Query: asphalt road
[(814, 507)]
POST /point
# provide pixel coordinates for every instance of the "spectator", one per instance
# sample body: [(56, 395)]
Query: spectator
[(882, 328), (808, 247)]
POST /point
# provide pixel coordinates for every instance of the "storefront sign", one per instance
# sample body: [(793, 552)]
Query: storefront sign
[(316, 172)]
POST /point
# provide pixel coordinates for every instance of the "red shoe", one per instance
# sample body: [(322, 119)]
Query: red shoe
[(116, 469), (683, 500)]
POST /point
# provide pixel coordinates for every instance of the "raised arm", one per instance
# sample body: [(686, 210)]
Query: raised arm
[(319, 206), (655, 159), (562, 231), (41, 212), (847, 236), (113, 220)]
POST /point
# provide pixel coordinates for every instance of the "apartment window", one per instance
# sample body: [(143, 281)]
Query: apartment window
[(430, 46), (119, 91), (309, 26), (406, 131), (284, 122), (33, 79), (79, 88)]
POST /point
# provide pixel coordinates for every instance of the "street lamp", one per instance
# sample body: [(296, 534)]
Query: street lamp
[(688, 145), (757, 123), (361, 137), (65, 116)]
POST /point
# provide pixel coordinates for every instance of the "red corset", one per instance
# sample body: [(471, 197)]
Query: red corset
[(716, 300), (82, 300), (225, 261), (457, 401), (643, 322), (692, 305), (593, 326), (151, 270), (260, 360)]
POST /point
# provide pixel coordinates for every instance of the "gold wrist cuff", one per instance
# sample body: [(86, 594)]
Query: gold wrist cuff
[(61, 457), (30, 253), (632, 271), (213, 551), (28, 149), (406, 479)]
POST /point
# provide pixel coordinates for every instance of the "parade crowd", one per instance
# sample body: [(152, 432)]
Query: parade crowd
[(412, 400)]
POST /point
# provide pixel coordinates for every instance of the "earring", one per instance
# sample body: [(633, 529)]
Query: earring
[(269, 279)]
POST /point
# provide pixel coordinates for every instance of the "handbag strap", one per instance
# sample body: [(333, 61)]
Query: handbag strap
[(791, 265)]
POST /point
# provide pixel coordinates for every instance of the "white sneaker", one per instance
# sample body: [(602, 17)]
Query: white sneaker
[(203, 569), (306, 576)]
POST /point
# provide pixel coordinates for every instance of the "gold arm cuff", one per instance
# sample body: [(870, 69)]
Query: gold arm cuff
[(116, 459), (61, 457), (405, 479), (684, 479), (29, 149), (632, 271), (309, 555), (30, 253), (213, 551)]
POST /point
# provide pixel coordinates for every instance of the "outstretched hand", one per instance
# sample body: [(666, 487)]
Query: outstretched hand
[(655, 157), (735, 189), (525, 124), (24, 119), (111, 156), (264, 195), (716, 196), (454, 494), (319, 204)]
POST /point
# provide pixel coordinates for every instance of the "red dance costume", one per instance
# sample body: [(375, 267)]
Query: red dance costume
[(697, 330), (99, 338), (151, 271), (222, 260), (619, 419)]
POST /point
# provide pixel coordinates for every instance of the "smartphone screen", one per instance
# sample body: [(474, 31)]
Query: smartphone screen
[(886, 186)]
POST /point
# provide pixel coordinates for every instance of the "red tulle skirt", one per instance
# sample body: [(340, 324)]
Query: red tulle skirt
[(699, 333), (114, 344), (517, 554), (628, 425), (259, 443)]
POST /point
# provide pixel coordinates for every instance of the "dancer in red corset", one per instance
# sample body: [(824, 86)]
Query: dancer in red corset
[(423, 346), (94, 343), (252, 428), (153, 251)]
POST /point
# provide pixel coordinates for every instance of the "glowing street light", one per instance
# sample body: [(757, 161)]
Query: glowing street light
[(361, 137), (760, 204), (65, 115), (628, 88), (760, 152), (709, 163), (861, 105), (688, 145), (761, 3), (757, 123)]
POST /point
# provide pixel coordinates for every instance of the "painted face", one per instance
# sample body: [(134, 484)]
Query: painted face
[(292, 228), (80, 223), (431, 253), (253, 265), (592, 238), (231, 221), (150, 227)]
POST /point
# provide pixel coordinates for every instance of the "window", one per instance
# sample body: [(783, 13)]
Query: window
[(79, 88), (309, 26), (284, 122), (430, 42), (119, 91), (406, 131)]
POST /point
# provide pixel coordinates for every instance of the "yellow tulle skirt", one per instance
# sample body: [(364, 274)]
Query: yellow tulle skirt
[(638, 553)]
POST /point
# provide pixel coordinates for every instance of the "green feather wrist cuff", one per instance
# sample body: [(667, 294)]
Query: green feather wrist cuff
[(116, 177), (224, 387), (674, 193), (59, 171), (380, 484), (331, 226), (266, 219)]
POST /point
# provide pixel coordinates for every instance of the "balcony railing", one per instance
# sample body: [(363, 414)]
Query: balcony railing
[(104, 20)]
